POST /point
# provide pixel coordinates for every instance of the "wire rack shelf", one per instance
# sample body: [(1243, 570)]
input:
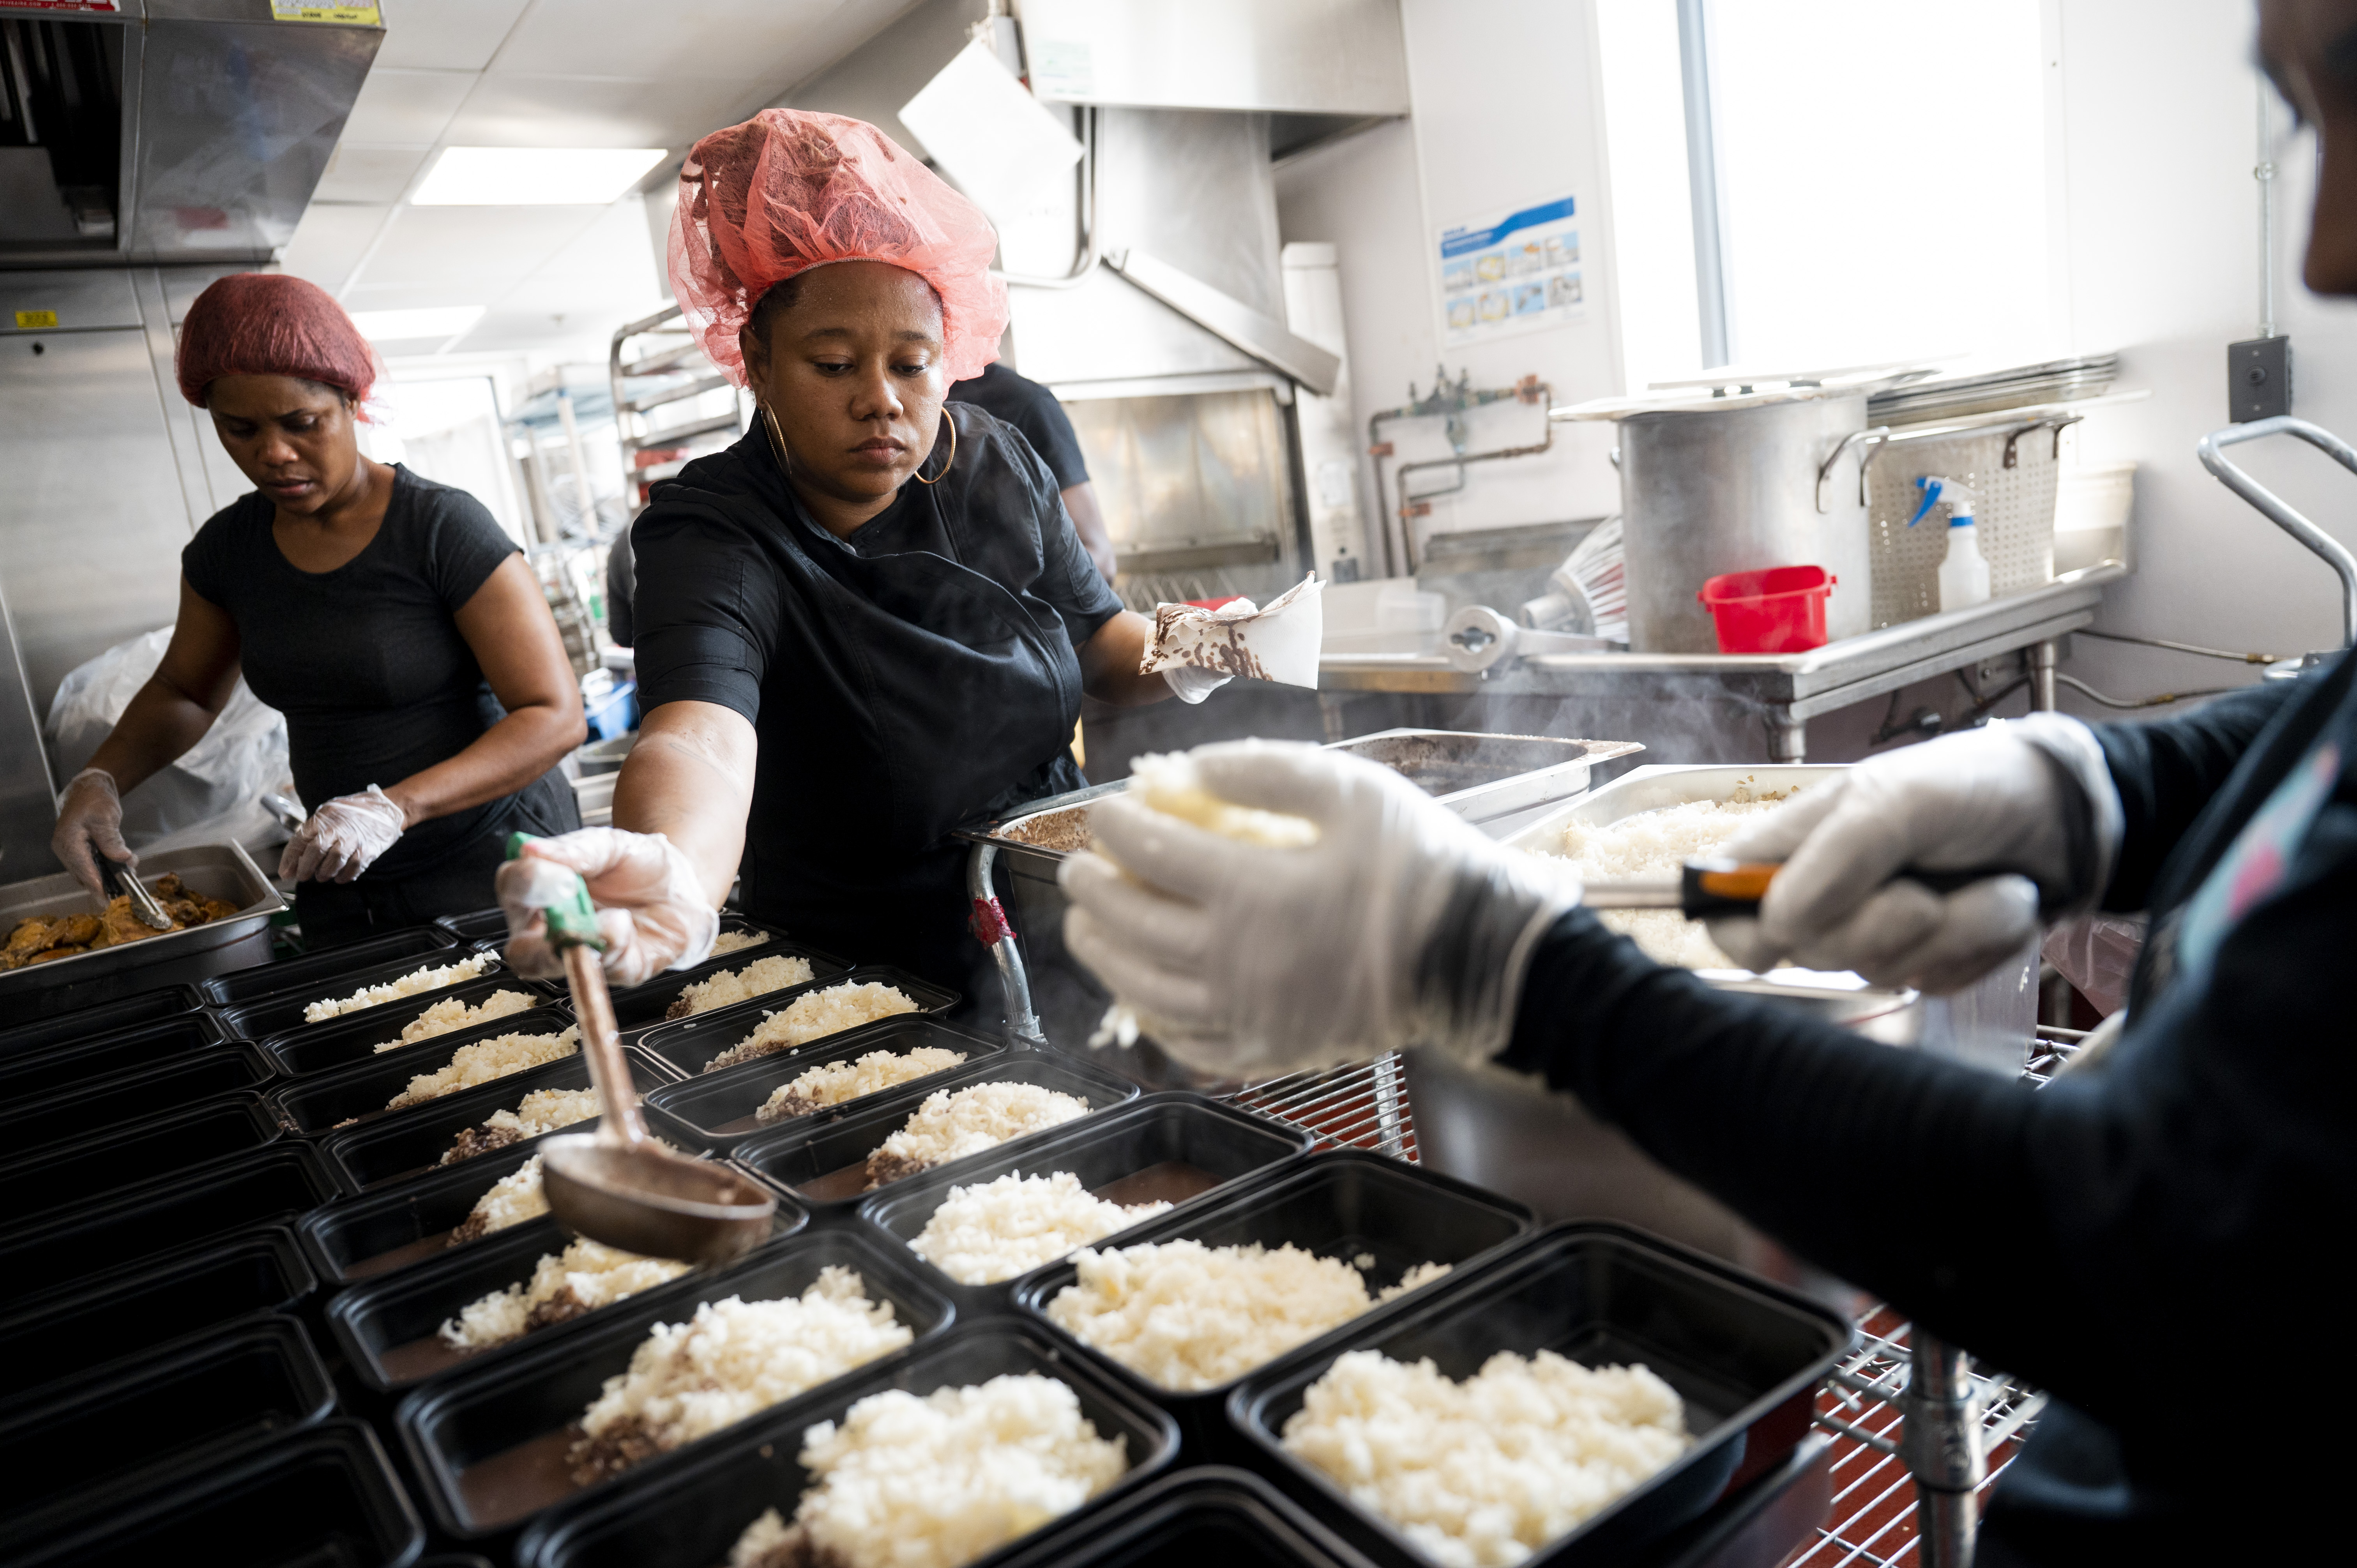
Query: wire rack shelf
[(1361, 1106)]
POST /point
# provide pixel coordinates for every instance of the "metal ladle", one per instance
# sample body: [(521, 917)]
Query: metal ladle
[(618, 1184)]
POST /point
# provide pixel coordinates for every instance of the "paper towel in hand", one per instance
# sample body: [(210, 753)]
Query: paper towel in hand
[(1279, 643)]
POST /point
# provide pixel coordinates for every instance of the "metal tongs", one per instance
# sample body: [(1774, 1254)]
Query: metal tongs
[(142, 903), (618, 1184)]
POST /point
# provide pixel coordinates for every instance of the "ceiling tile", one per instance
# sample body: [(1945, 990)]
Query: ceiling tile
[(479, 249), (446, 35), (368, 173), (406, 108), (739, 40), (579, 112), (329, 243), (439, 295)]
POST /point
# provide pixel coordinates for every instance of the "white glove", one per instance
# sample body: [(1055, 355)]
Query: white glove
[(650, 903), (90, 818), (1402, 926), (343, 837), (2031, 797), (1191, 684)]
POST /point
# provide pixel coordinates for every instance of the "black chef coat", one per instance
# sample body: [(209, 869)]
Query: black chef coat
[(915, 676), (2146, 1238)]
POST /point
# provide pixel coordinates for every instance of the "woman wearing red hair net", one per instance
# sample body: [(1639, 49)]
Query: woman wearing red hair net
[(867, 621), (426, 693)]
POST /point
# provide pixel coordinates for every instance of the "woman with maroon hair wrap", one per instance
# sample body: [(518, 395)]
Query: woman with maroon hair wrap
[(426, 691), (871, 620)]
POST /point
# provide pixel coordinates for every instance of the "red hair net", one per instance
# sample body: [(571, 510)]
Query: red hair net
[(269, 323), (787, 191)]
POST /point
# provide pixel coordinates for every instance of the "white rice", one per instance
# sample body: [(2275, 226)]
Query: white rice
[(1658, 843), (1482, 1472), (815, 1015), (939, 1481), (430, 977), (511, 1200), (1189, 1316), (585, 1276), (953, 1123), (833, 1083), (727, 942), (542, 1110), (731, 986), (451, 1012), (996, 1229), (484, 1060)]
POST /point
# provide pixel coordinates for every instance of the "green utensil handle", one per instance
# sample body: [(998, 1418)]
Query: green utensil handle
[(574, 922)]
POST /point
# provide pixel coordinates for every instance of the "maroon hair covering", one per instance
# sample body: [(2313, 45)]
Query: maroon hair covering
[(268, 324)]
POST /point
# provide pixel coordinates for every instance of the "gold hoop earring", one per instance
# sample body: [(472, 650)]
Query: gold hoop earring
[(944, 474), (777, 437)]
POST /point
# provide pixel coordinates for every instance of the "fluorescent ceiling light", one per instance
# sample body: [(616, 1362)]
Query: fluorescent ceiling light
[(437, 321), (534, 177)]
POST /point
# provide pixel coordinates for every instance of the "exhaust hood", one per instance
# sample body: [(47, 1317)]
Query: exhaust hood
[(141, 132)]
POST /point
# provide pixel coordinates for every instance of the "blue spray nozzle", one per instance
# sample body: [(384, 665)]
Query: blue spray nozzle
[(1936, 489)]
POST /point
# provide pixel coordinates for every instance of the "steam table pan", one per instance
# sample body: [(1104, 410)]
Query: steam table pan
[(280, 1016), (343, 1042), (118, 1101), (488, 1439), (52, 1342), (315, 975), (322, 1102), (191, 1405), (318, 1497), (1746, 1357), (822, 1162), (1346, 1205), (276, 1185), (101, 1018), (1208, 1515), (167, 958), (687, 1044), (94, 1166), (720, 1107), (685, 1510), (63, 1064)]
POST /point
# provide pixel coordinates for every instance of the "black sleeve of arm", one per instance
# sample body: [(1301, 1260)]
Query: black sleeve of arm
[(468, 544), (2167, 771), (697, 609), (1068, 581)]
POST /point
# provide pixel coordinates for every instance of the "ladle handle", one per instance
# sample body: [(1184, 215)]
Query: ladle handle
[(573, 931)]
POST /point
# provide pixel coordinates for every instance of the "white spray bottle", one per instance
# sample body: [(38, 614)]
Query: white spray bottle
[(1965, 574)]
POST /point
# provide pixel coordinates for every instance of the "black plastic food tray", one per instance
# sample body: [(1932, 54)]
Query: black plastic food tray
[(95, 1166), (65, 1064), (191, 1405), (641, 1006), (404, 1223), (105, 1018), (718, 1107), (113, 1102), (275, 1186), (278, 1020), (1746, 1357), (1187, 1129), (476, 925), (343, 1042), (688, 1043), (130, 1311), (513, 1397), (409, 1143), (685, 1510), (320, 1497), (1210, 1515), (1344, 1204), (315, 973), (795, 1155), (375, 1318), (323, 1102)]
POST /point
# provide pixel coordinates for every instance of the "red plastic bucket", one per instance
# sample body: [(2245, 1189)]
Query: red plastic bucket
[(1780, 611)]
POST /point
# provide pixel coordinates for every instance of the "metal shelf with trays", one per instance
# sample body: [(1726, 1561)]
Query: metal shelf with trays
[(671, 371)]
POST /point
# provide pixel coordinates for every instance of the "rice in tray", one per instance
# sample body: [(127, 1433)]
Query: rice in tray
[(1482, 1472), (542, 1110), (731, 986), (814, 1016), (484, 1060), (511, 1200), (585, 1276), (939, 1481), (996, 1229), (1658, 843), (452, 1014), (734, 1358), (727, 942), (426, 977), (1189, 1316), (953, 1123), (833, 1083)]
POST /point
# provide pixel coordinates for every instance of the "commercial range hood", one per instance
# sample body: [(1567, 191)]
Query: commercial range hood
[(164, 132)]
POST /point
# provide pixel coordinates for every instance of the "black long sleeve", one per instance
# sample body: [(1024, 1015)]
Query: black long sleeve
[(2169, 771)]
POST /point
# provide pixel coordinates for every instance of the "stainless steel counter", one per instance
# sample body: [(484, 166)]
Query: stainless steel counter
[(1793, 687)]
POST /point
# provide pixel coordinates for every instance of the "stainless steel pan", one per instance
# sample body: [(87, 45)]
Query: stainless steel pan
[(218, 871)]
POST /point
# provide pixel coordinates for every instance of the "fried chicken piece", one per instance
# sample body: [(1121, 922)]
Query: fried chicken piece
[(66, 952), (30, 936)]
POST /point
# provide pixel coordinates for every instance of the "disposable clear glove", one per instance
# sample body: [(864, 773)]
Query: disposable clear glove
[(90, 823), (651, 903), (1401, 925), (2029, 801), (342, 837), (1191, 684)]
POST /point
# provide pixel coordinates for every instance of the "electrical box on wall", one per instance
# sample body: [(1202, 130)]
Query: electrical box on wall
[(2258, 379)]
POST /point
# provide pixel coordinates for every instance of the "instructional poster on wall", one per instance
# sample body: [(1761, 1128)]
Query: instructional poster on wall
[(1509, 273)]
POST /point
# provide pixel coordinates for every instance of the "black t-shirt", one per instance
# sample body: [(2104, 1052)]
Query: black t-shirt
[(366, 662), (1033, 410)]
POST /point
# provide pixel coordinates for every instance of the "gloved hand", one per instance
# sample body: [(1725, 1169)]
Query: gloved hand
[(1191, 685), (90, 818), (651, 903), (2031, 797), (342, 837), (1402, 926)]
